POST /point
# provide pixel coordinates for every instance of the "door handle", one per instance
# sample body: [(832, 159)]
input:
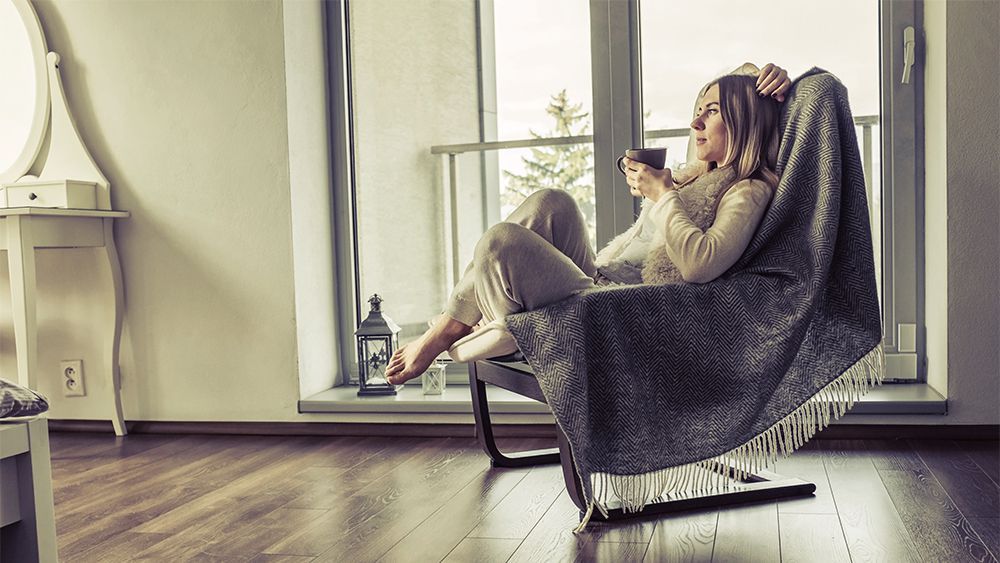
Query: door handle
[(909, 45)]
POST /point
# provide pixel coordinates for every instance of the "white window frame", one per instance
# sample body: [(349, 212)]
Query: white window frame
[(902, 194)]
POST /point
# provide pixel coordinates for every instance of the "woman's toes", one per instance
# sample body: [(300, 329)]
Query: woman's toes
[(399, 378)]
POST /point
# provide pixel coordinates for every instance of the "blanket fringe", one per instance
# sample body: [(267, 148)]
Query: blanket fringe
[(634, 492), (586, 517)]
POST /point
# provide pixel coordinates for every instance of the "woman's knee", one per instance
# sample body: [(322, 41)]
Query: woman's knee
[(498, 240), (553, 201)]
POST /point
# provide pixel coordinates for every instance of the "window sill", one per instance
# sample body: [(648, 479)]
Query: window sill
[(455, 399), (910, 398)]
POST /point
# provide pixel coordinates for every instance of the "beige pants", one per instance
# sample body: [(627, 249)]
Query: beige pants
[(541, 254)]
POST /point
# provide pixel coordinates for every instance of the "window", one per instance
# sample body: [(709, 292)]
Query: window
[(676, 63), (685, 45), (541, 54), (470, 106), (417, 90)]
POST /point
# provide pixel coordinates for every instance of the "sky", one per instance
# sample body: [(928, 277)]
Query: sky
[(544, 46)]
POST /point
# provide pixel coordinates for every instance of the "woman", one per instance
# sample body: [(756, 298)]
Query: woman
[(688, 231)]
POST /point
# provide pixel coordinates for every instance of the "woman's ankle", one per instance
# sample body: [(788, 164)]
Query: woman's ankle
[(447, 331)]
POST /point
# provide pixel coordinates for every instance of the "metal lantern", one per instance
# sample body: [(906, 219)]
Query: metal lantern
[(433, 380), (377, 339)]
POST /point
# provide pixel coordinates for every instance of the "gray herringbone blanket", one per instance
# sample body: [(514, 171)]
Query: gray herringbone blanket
[(653, 385)]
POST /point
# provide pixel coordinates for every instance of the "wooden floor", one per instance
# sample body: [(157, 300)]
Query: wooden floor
[(345, 499)]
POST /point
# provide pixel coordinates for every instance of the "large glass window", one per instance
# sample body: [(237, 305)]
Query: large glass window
[(544, 92), (455, 111), (418, 215), (414, 84)]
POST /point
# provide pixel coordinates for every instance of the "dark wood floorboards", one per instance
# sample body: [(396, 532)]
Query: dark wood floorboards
[(349, 499)]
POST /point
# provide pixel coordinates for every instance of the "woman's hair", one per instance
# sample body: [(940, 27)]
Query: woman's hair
[(752, 123)]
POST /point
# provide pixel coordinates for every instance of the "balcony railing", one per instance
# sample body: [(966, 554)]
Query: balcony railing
[(450, 168)]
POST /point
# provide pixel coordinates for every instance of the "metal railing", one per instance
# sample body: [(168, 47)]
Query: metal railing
[(449, 154)]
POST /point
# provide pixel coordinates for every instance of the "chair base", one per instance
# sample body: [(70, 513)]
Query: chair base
[(517, 377)]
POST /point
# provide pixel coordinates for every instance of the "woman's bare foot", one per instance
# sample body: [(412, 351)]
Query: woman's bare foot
[(414, 358)]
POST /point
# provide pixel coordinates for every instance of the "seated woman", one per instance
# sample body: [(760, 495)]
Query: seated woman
[(694, 224)]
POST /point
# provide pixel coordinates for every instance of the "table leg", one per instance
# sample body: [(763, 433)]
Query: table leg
[(21, 260), (33, 538), (42, 507), (114, 346)]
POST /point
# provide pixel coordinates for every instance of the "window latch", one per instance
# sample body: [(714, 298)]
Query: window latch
[(909, 45)]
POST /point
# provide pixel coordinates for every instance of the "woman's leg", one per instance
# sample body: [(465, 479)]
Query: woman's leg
[(548, 223), (516, 269), (553, 215)]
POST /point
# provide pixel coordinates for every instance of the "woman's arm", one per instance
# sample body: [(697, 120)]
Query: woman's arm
[(702, 256)]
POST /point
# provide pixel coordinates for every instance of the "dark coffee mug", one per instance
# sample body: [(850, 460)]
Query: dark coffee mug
[(654, 157)]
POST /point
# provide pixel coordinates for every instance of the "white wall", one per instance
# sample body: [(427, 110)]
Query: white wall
[(183, 106), (936, 194), (309, 177), (973, 191)]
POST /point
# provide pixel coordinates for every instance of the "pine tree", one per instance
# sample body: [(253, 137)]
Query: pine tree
[(565, 167)]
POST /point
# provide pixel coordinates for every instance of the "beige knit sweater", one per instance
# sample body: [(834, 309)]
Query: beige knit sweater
[(682, 237), (678, 238)]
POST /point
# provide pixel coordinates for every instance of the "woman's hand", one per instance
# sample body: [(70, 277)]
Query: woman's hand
[(772, 80), (646, 181)]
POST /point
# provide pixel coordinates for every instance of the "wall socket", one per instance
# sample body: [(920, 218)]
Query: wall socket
[(72, 378)]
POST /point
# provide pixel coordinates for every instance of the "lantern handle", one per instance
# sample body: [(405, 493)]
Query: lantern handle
[(376, 303)]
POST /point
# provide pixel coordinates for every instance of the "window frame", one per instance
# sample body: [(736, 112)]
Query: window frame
[(902, 117), (615, 59), (343, 196)]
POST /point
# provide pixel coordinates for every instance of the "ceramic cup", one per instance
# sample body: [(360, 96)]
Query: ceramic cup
[(653, 157)]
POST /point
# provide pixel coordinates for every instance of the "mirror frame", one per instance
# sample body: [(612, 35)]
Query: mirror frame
[(40, 121)]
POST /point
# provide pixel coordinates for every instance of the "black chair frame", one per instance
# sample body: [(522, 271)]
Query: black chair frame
[(517, 377)]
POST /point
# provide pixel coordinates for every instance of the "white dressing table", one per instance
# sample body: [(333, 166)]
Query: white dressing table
[(45, 174), (25, 229)]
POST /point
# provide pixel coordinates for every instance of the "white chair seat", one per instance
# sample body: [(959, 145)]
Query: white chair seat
[(491, 341)]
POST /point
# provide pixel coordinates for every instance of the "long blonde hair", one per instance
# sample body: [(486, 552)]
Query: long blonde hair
[(752, 124)]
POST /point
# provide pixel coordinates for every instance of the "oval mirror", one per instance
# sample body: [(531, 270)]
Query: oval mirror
[(24, 98)]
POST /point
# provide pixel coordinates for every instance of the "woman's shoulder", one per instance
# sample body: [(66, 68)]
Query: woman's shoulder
[(752, 189)]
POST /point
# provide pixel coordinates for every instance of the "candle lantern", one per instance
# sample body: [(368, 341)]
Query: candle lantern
[(433, 381), (377, 339)]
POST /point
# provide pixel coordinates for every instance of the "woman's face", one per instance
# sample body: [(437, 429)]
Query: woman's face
[(710, 132)]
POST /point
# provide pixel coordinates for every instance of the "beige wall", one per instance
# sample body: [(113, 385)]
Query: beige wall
[(936, 194), (183, 106), (309, 179)]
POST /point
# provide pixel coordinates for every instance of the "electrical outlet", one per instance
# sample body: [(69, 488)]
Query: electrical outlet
[(72, 378)]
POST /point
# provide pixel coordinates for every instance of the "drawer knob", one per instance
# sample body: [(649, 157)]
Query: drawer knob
[(32, 196)]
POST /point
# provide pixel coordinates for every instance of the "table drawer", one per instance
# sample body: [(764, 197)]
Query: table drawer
[(66, 194)]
